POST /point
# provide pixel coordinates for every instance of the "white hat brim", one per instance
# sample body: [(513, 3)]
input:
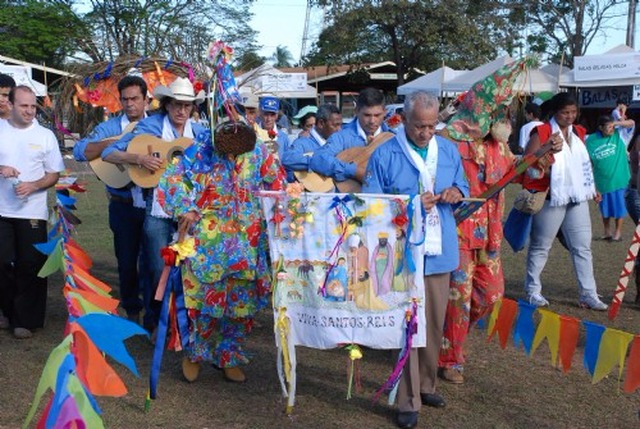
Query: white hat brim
[(162, 91)]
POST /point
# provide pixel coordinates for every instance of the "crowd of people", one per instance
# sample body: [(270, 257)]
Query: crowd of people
[(209, 194)]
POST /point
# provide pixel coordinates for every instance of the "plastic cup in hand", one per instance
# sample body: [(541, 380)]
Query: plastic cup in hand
[(15, 182)]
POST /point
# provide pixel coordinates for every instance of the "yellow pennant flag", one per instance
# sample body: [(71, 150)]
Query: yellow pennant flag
[(493, 317), (548, 328), (613, 349)]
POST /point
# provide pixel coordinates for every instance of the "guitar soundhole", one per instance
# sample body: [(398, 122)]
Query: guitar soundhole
[(175, 152)]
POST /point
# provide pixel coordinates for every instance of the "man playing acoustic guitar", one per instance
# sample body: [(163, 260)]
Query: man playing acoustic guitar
[(328, 122), (176, 103), (368, 124), (126, 215)]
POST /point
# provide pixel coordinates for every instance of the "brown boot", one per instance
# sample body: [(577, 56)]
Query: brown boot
[(234, 374), (451, 375), (190, 370)]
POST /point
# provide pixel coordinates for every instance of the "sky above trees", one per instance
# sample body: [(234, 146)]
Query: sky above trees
[(414, 34)]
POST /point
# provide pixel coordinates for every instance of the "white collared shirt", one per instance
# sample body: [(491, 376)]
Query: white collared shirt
[(362, 134)]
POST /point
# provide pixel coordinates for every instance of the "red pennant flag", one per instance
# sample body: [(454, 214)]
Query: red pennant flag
[(78, 256), (569, 333), (43, 419), (506, 317), (632, 380)]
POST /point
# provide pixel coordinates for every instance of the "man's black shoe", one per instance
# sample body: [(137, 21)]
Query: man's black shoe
[(433, 400), (407, 420)]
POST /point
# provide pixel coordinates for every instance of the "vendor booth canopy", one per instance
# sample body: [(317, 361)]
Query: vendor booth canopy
[(431, 82), (22, 76), (267, 80), (619, 66), (464, 81), (449, 80), (533, 81)]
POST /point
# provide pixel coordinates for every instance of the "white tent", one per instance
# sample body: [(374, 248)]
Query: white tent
[(431, 82), (602, 70), (535, 80), (464, 81), (267, 80), (22, 76)]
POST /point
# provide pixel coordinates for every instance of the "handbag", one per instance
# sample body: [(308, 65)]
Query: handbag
[(530, 202), (517, 229)]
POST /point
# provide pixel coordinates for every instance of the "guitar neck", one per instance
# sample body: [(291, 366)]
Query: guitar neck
[(444, 115)]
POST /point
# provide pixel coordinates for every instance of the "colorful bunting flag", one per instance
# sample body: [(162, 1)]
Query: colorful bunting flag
[(613, 349), (504, 322), (592, 347), (548, 328), (632, 380), (569, 333), (524, 326)]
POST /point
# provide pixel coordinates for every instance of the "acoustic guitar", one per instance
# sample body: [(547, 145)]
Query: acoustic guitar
[(114, 175), (315, 182), (146, 144)]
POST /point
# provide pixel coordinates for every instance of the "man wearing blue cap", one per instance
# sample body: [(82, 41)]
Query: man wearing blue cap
[(267, 116)]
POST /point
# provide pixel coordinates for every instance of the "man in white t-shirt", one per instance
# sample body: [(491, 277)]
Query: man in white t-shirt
[(532, 115), (30, 163)]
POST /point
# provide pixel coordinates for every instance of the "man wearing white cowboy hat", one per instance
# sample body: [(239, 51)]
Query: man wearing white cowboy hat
[(177, 101)]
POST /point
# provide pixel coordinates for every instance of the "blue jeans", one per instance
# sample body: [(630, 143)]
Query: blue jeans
[(632, 202), (157, 234), (126, 223), (574, 222)]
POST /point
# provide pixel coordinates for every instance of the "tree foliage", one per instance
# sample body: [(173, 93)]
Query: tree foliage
[(39, 31), (568, 27), (282, 57), (180, 29), (249, 60), (414, 34), (53, 30)]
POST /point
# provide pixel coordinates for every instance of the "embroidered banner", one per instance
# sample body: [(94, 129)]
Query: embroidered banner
[(342, 264)]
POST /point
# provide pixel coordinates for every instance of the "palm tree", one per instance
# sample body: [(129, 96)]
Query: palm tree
[(282, 57)]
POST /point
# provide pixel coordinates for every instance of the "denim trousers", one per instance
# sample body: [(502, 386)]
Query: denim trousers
[(157, 234), (23, 295), (632, 202), (126, 222), (574, 222)]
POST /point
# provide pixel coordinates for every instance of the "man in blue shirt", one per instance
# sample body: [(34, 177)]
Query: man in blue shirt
[(368, 123), (417, 162), (267, 129), (328, 122), (125, 219), (176, 104)]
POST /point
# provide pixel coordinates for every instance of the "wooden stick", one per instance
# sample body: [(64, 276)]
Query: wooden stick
[(474, 200)]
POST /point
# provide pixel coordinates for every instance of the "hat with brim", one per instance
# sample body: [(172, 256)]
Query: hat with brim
[(180, 89), (305, 110), (250, 102)]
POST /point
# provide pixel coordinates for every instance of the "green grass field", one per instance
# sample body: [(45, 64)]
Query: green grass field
[(503, 388)]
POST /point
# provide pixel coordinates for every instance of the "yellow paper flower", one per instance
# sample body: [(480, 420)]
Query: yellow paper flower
[(185, 249), (354, 352)]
